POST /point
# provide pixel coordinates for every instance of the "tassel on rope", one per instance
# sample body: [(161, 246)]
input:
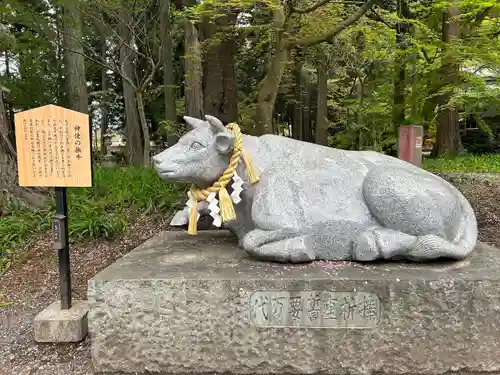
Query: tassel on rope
[(253, 177), (193, 219), (226, 206)]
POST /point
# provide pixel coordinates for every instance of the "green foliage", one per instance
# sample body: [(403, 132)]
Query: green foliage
[(118, 197), (363, 56), (480, 140), (3, 301), (489, 163), (167, 128), (16, 228), (32, 56)]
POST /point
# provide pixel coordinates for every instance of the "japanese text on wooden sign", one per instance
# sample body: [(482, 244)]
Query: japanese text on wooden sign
[(53, 147)]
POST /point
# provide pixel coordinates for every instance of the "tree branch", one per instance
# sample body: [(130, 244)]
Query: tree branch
[(310, 9), (482, 15), (132, 27), (150, 76), (321, 3), (333, 32), (353, 86), (378, 18), (426, 56), (119, 38), (429, 60), (496, 34)]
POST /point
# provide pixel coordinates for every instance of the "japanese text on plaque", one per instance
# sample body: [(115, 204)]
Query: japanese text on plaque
[(53, 144), (315, 309)]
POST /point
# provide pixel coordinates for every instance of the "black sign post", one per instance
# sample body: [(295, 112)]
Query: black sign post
[(61, 244)]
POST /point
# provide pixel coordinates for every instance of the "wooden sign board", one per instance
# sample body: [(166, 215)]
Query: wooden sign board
[(53, 147)]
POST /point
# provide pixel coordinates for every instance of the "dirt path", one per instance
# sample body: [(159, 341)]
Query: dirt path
[(31, 283)]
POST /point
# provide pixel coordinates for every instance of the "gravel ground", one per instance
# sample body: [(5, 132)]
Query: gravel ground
[(483, 192), (31, 283)]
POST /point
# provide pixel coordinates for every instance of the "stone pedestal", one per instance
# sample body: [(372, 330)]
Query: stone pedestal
[(54, 325), (198, 304)]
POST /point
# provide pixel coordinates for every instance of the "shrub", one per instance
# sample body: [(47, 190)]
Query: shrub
[(16, 228), (118, 196), (480, 140), (489, 163)]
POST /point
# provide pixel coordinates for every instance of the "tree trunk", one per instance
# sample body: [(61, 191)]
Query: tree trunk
[(360, 119), (134, 146), (104, 104), (448, 133), (270, 84), (9, 186), (360, 94), (297, 125), (321, 136), (8, 168), (399, 100), (74, 58), (132, 126), (193, 71), (448, 128), (398, 108), (414, 82), (306, 114), (220, 96), (414, 73), (168, 63), (145, 129), (61, 90), (268, 92), (9, 109)]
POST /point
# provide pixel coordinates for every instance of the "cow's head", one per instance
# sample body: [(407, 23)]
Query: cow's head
[(200, 156)]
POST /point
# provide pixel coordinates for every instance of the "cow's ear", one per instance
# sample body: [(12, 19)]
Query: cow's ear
[(217, 125), (224, 142)]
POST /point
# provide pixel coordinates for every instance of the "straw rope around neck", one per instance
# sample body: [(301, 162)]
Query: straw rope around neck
[(219, 187)]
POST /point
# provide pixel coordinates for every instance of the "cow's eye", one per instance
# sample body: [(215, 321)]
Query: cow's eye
[(196, 145)]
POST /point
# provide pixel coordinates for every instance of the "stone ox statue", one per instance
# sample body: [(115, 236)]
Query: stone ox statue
[(319, 203)]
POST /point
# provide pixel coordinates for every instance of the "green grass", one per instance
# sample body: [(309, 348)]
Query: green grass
[(469, 163), (103, 211)]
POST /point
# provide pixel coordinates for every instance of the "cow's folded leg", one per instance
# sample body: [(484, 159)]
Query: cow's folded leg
[(282, 245), (327, 240), (290, 250), (382, 243), (259, 237), (180, 218)]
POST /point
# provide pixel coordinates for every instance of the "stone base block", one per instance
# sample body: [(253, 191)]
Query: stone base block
[(198, 304), (62, 326)]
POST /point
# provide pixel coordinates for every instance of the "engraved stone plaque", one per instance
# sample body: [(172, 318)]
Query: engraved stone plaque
[(315, 309)]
